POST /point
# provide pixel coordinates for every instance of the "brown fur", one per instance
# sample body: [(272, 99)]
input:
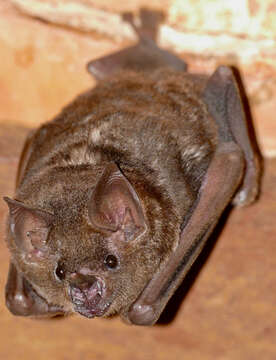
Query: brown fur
[(159, 133)]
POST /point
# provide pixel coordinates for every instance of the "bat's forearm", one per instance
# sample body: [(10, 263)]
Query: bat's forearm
[(220, 183)]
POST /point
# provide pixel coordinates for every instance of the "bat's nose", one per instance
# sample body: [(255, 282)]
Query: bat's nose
[(81, 281), (87, 293)]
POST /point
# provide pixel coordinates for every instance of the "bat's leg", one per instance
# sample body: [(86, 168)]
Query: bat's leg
[(233, 155), (145, 56), (223, 98), (22, 300), (150, 21)]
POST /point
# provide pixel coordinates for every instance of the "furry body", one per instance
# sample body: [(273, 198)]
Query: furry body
[(158, 131)]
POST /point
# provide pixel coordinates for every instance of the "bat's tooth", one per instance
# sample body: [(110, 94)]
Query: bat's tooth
[(99, 288), (77, 302)]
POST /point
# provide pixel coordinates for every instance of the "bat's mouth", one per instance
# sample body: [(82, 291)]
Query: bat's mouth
[(88, 298)]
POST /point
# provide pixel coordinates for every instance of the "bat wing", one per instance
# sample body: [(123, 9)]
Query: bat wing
[(233, 168), (25, 155), (22, 300)]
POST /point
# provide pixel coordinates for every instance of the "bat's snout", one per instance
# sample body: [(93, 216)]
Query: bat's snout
[(88, 295)]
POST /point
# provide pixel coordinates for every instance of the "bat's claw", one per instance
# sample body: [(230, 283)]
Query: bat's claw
[(249, 189)]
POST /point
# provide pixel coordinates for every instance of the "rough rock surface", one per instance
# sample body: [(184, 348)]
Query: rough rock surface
[(44, 48)]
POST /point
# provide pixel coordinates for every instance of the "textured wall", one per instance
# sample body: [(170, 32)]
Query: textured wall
[(37, 56)]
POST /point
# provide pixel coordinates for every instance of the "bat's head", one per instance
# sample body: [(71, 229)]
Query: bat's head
[(94, 252)]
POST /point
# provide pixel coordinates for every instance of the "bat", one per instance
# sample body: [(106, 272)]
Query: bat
[(117, 195)]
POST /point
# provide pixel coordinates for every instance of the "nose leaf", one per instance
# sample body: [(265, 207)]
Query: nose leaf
[(87, 294)]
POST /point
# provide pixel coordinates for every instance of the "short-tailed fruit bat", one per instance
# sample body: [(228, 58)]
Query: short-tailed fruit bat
[(117, 195)]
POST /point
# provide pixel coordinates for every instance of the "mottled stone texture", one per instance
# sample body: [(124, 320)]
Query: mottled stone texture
[(43, 62), (226, 306)]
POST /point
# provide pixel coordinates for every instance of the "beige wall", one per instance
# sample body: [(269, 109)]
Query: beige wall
[(43, 63)]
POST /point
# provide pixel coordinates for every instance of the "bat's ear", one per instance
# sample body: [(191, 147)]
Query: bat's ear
[(115, 207), (29, 227)]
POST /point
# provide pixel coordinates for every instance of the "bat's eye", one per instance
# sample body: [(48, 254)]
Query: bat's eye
[(60, 272), (111, 261)]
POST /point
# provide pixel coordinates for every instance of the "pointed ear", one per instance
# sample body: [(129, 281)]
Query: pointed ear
[(30, 227), (114, 205)]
